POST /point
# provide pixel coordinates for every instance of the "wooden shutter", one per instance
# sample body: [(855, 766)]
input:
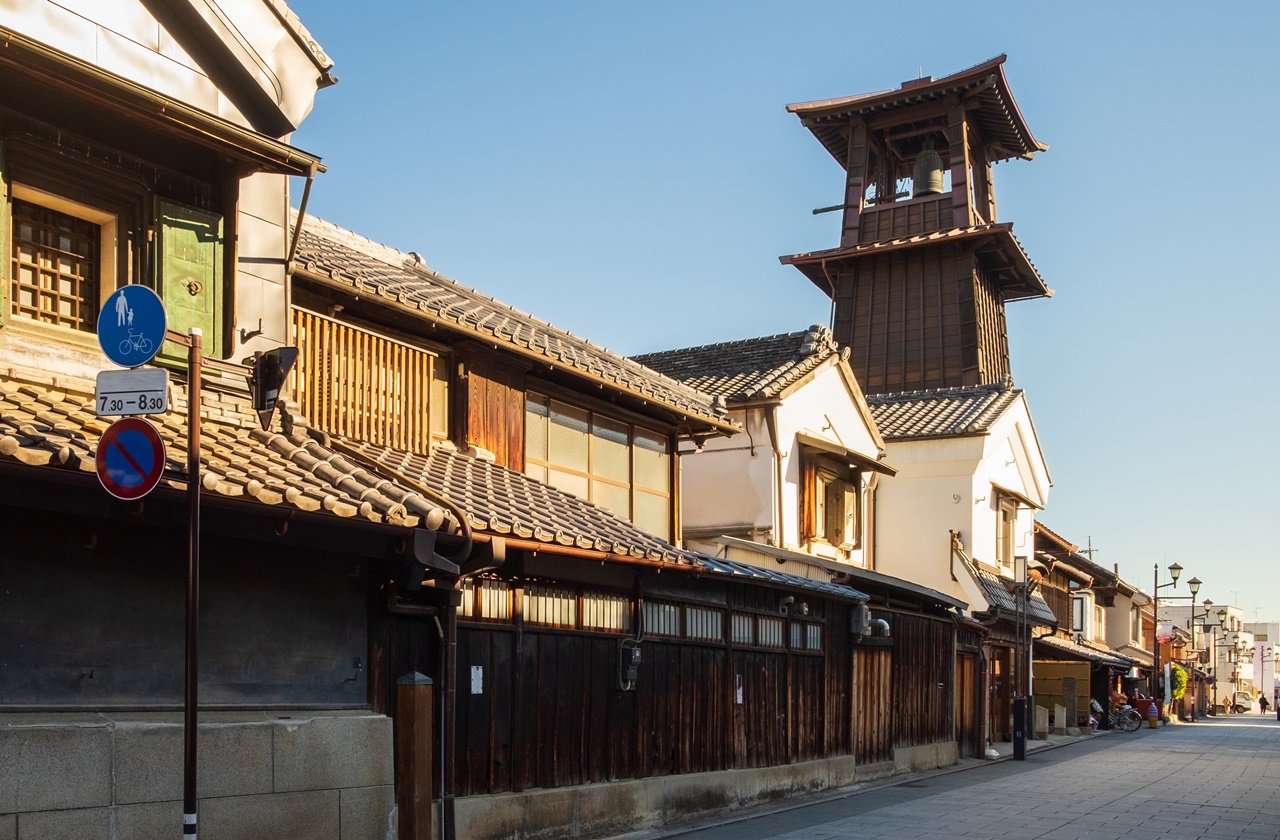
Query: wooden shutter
[(833, 527), (189, 254), (808, 499)]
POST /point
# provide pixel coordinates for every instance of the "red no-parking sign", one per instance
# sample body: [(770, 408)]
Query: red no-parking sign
[(130, 458)]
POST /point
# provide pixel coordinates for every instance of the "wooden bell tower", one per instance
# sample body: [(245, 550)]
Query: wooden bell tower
[(924, 268)]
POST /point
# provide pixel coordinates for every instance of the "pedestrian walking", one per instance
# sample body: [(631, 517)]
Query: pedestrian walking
[(1262, 701)]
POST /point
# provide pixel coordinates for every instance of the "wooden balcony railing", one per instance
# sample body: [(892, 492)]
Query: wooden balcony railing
[(358, 384)]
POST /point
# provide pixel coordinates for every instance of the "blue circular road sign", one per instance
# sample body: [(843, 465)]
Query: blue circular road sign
[(130, 458), (131, 326)]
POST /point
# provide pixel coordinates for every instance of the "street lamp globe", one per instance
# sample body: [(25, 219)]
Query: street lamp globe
[(1175, 571), (1194, 586), (1222, 616)]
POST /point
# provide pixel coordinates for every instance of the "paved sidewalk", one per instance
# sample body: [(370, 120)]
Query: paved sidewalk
[(1218, 779)]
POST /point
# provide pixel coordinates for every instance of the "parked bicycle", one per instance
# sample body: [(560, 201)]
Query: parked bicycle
[(1123, 717)]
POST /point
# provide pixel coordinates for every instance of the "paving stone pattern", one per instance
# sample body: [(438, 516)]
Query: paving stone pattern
[(1219, 779)]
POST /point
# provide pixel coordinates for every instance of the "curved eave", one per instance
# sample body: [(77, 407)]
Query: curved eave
[(996, 109), (998, 250)]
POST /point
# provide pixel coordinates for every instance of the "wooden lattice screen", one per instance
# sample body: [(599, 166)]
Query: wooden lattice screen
[(358, 384)]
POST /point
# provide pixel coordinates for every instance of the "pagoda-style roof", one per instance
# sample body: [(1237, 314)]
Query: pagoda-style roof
[(999, 251), (983, 89)]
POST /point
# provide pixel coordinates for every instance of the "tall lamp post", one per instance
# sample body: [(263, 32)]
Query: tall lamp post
[(1210, 629), (1193, 586), (1175, 571)]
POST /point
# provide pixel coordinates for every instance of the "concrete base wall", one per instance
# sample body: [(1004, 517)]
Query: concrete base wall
[(261, 775), (615, 807)]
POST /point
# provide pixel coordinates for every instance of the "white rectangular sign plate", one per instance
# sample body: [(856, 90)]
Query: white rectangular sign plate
[(137, 391)]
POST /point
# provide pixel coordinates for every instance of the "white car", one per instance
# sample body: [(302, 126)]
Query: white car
[(1243, 702)]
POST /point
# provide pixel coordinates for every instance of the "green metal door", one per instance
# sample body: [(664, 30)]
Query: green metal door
[(189, 254)]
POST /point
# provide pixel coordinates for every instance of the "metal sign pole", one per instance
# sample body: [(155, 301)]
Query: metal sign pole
[(189, 808)]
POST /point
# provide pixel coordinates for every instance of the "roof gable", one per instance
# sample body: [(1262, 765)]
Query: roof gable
[(749, 369)]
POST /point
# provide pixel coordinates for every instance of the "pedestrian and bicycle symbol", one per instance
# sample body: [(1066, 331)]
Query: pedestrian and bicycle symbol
[(131, 326), (130, 458)]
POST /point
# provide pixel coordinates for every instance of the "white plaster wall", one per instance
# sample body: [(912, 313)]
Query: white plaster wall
[(124, 38), (946, 484), (729, 483), (824, 407)]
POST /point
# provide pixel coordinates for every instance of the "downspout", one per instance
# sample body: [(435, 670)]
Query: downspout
[(873, 484), (449, 633), (771, 421), (302, 214)]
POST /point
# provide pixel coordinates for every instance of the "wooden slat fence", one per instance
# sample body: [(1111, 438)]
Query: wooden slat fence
[(358, 384)]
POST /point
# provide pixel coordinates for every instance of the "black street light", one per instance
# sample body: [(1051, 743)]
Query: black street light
[(1175, 571)]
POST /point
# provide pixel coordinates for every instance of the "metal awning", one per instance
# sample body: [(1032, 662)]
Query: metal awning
[(854, 573), (1078, 650), (756, 573)]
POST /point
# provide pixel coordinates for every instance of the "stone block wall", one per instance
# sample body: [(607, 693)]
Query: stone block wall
[(262, 776)]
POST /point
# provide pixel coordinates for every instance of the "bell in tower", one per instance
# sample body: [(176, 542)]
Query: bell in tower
[(920, 280), (927, 175)]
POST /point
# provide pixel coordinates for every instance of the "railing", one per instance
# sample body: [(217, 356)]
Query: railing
[(358, 384), (915, 216)]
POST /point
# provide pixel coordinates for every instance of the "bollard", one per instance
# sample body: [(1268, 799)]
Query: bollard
[(413, 736)]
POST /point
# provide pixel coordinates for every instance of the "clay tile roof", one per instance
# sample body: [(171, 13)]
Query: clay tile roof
[(51, 424), (941, 412), (996, 112), (999, 593), (750, 369), (504, 502), (330, 253)]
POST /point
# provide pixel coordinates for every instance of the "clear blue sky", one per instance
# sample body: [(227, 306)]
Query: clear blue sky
[(628, 172)]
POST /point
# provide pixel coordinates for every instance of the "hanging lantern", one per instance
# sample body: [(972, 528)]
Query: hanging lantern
[(927, 176)]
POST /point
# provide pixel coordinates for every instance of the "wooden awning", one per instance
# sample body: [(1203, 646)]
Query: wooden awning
[(812, 440)]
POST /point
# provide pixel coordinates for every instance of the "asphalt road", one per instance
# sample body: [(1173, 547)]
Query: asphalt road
[(1216, 779)]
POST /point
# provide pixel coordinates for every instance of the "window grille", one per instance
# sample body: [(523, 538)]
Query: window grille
[(55, 266), (488, 600), (703, 623), (606, 612), (743, 629), (661, 618), (770, 631), (551, 606)]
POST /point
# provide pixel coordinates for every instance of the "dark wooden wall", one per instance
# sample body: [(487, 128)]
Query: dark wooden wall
[(873, 704), (922, 678), (921, 318), (968, 713), (549, 712)]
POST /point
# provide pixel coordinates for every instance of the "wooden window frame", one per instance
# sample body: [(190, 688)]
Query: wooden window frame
[(825, 479), (107, 226), (590, 475), (1006, 530)]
